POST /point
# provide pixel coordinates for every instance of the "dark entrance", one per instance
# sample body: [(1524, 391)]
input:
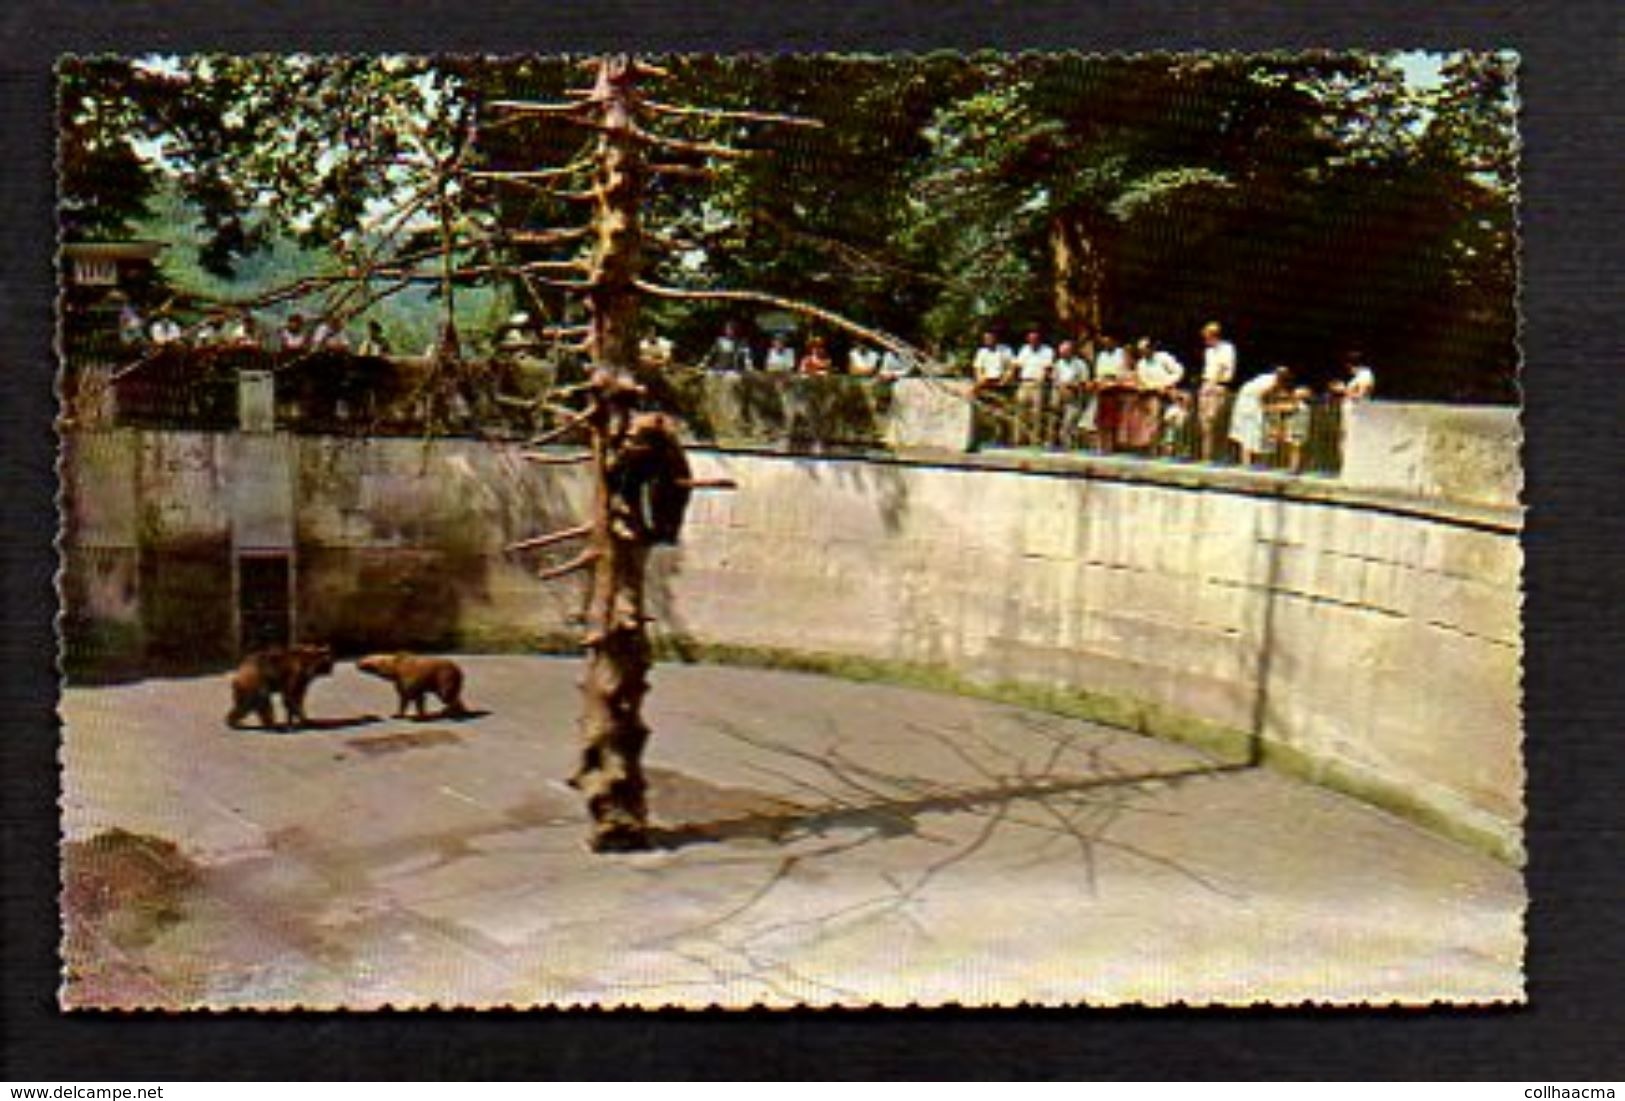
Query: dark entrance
[(264, 600)]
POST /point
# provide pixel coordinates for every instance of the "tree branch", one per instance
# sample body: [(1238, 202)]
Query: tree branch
[(559, 431), (548, 236), (580, 562), (806, 309), (541, 458), (720, 113), (533, 107), (550, 538)]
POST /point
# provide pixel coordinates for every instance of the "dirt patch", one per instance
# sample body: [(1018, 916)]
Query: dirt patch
[(378, 745), (120, 892), (118, 874)]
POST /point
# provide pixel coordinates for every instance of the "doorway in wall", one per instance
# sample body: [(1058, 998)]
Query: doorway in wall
[(264, 599)]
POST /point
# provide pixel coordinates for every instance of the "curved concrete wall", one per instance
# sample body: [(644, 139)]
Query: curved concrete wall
[(1371, 648), (1367, 642)]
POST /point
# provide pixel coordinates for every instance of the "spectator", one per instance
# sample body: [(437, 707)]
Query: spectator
[(731, 352), (1218, 375), (1071, 391), (242, 331), (1296, 409), (655, 352), (1159, 374), (892, 366), (1159, 371), (992, 364), (377, 344), (862, 361), (164, 329), (294, 337), (991, 369), (1034, 364), (1361, 383), (1176, 417), (1104, 417), (1137, 422), (330, 337), (781, 358), (817, 361), (210, 331), (1248, 423), (131, 326)]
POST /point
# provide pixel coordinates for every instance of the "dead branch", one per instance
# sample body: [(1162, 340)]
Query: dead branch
[(527, 175), (806, 309), (551, 538), (542, 458), (695, 171), (582, 561), (702, 148), (707, 483), (548, 236), (534, 107), (738, 116), (559, 431)]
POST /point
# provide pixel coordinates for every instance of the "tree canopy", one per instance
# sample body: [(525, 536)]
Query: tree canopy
[(1310, 202)]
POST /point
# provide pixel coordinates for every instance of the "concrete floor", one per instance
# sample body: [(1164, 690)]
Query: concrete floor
[(824, 842)]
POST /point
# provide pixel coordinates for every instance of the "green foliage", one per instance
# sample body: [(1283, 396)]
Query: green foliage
[(1311, 201)]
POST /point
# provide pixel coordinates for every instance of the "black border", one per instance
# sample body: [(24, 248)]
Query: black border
[(1575, 581)]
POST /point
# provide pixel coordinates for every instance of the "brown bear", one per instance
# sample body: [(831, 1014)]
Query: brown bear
[(280, 671), (415, 677)]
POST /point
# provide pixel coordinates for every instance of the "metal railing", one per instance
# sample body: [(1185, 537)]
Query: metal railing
[(339, 392), (1175, 425)]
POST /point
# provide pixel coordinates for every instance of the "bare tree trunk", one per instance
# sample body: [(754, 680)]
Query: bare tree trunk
[(1078, 270), (610, 773)]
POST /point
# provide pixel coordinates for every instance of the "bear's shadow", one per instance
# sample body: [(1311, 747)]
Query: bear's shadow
[(315, 726)]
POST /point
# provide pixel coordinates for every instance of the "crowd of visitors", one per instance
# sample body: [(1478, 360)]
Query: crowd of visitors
[(1097, 394), (1137, 397), (1090, 393), (240, 329)]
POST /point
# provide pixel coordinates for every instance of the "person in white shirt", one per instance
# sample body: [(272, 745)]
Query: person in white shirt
[(781, 358), (164, 329), (1158, 369), (655, 351), (242, 331), (330, 337), (1033, 365), (208, 331), (1218, 374), (892, 366), (991, 368), (1159, 373), (1353, 392), (1071, 393), (1249, 426), (293, 336), (992, 363), (1361, 384), (862, 361)]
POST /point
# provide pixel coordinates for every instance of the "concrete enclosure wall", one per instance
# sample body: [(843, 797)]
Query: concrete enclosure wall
[(1461, 453), (1365, 645)]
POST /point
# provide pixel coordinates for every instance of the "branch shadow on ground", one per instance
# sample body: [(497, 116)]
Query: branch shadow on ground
[(830, 791), (1064, 796)]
